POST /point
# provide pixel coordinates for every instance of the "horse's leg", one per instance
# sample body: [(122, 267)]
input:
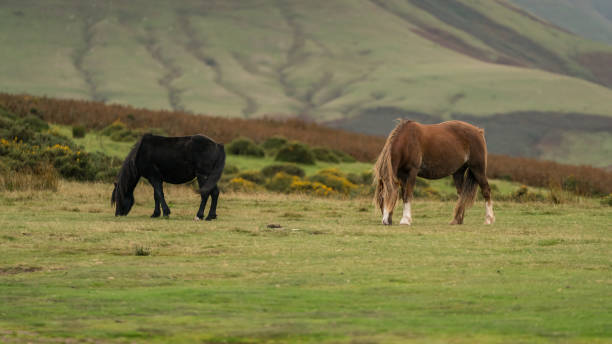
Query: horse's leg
[(481, 178), (158, 190), (458, 178), (214, 196), (156, 211), (204, 197), (407, 191)]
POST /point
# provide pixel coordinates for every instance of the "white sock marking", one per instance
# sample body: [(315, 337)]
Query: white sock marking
[(490, 216), (385, 219), (407, 215)]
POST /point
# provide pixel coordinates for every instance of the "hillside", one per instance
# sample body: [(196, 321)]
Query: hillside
[(588, 18), (350, 64)]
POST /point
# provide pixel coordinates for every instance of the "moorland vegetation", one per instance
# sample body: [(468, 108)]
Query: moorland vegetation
[(266, 140)]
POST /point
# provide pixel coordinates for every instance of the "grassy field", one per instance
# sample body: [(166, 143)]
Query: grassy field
[(69, 270)]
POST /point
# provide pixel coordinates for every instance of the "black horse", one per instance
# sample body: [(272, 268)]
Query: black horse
[(173, 160)]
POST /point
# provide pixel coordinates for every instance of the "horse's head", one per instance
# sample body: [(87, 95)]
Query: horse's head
[(123, 203)]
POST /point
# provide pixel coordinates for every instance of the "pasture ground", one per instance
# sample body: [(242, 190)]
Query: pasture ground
[(69, 271)]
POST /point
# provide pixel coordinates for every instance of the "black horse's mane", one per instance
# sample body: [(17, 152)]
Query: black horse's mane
[(127, 174)]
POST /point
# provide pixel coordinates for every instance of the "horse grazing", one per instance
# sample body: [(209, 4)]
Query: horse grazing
[(432, 151), (174, 160)]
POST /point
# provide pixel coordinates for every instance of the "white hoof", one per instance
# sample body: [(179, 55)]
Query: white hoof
[(196, 218), (489, 220), (406, 221)]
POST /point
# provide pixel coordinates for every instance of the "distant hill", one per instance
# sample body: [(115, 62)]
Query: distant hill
[(587, 18), (353, 64)]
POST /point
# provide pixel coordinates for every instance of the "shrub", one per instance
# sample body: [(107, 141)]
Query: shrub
[(325, 154), (274, 143), (50, 148), (296, 152), (119, 132), (243, 185), (271, 170), (244, 146), (522, 194), (230, 169), (311, 188), (281, 182), (363, 178), (78, 131), (332, 177), (117, 125), (367, 177), (34, 122), (607, 200), (344, 157), (252, 176), (427, 192)]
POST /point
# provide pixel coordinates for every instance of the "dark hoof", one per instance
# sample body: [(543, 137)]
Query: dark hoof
[(211, 217), (155, 215)]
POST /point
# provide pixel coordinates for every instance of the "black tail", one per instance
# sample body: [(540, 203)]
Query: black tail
[(123, 193), (217, 170)]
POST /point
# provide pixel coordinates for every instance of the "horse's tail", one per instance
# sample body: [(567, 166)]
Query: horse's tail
[(385, 179), (127, 178), (468, 191), (217, 170)]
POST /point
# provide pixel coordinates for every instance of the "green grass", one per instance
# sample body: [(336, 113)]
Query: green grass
[(70, 269)]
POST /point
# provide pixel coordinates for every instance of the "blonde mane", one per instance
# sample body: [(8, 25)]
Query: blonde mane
[(384, 179)]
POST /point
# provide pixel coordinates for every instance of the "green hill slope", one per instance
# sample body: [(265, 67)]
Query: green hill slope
[(588, 18), (343, 62)]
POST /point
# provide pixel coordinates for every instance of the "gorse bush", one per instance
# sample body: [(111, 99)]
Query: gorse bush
[(271, 170), (344, 157), (331, 155), (28, 147), (244, 146), (281, 182), (325, 154), (242, 185), (253, 176), (296, 152), (273, 144), (334, 179), (311, 188), (119, 132)]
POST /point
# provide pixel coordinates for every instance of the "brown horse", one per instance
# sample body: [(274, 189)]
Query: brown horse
[(432, 151)]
